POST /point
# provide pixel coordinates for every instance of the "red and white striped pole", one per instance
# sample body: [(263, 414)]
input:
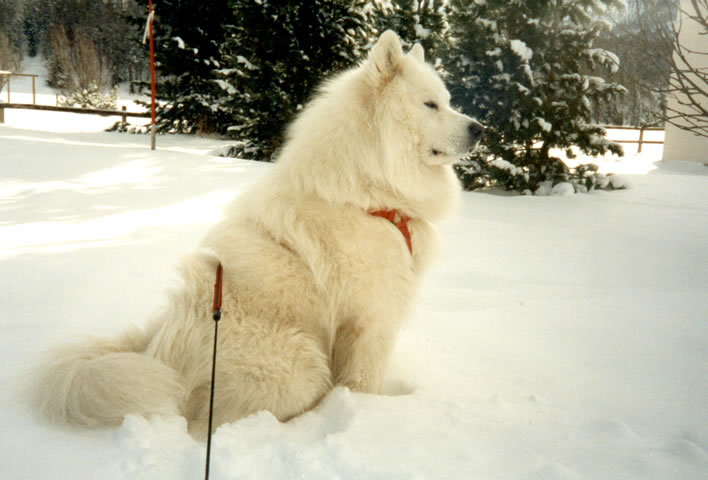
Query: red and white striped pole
[(151, 15)]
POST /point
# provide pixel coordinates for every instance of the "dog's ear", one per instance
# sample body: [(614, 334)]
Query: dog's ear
[(385, 56), (417, 52)]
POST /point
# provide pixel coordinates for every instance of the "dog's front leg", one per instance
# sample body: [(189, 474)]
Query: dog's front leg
[(361, 352)]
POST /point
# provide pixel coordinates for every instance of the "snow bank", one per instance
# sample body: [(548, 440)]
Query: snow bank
[(563, 189), (559, 337)]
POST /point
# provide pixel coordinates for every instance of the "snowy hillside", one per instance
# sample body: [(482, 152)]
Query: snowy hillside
[(558, 338)]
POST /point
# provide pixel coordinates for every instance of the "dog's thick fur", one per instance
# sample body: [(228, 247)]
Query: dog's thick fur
[(315, 287)]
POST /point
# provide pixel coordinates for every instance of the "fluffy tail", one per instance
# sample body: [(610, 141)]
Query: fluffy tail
[(99, 381)]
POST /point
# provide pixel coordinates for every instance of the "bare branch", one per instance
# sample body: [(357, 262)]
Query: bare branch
[(688, 84)]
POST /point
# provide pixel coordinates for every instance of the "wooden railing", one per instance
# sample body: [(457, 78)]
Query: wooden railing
[(640, 141), (9, 75), (123, 113)]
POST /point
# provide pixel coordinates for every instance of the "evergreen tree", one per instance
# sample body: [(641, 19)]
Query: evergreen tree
[(84, 42), (188, 36), (10, 36), (274, 56), (37, 18), (419, 21), (517, 67)]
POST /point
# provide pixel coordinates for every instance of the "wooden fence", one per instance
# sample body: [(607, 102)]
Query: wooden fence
[(123, 113), (640, 141), (9, 75)]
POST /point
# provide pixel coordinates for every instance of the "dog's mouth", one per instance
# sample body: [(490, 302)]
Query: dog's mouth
[(441, 157), (443, 154)]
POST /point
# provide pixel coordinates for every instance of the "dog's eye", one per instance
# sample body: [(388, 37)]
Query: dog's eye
[(431, 104)]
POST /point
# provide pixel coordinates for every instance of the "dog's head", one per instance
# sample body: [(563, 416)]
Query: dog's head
[(381, 134), (413, 101)]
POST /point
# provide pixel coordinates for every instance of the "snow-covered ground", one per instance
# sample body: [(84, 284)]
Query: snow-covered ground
[(558, 338)]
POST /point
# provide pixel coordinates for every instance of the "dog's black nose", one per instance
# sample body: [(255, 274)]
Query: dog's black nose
[(475, 130)]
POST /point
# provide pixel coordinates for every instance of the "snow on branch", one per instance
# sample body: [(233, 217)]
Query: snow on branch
[(521, 50)]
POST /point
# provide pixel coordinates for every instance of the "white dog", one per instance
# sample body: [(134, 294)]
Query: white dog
[(321, 262)]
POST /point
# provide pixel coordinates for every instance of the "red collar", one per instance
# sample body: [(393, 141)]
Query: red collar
[(399, 220)]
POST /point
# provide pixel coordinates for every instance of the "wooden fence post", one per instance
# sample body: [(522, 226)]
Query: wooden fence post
[(641, 138), (2, 114), (124, 117)]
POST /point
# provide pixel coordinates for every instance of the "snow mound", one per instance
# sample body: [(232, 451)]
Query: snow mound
[(544, 189), (563, 189), (620, 182)]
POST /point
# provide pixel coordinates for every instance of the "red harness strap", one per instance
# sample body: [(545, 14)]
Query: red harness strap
[(400, 221)]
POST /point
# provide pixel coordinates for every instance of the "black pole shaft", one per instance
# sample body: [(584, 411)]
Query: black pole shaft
[(211, 398)]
